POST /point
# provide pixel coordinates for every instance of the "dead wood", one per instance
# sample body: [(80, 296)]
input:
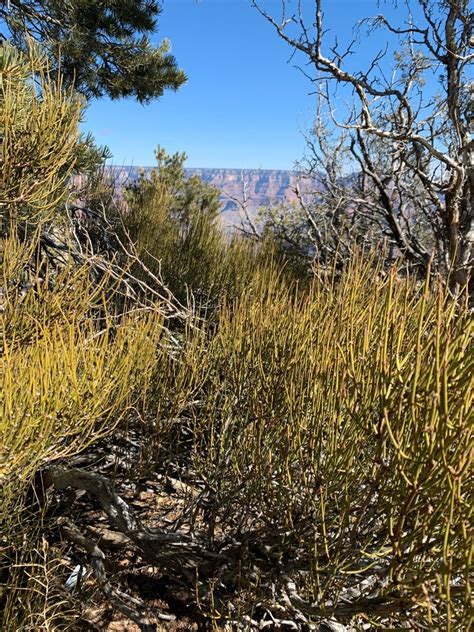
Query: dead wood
[(131, 607), (175, 551)]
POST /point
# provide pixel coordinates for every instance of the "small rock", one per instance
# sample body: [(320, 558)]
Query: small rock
[(332, 626)]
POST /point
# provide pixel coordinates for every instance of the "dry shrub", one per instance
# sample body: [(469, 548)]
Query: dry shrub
[(327, 429), (332, 428), (71, 368), (173, 221), (40, 138), (71, 371)]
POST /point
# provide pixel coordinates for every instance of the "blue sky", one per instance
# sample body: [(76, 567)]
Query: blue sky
[(245, 105)]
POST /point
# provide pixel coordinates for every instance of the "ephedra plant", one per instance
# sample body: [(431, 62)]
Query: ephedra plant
[(71, 366), (332, 438)]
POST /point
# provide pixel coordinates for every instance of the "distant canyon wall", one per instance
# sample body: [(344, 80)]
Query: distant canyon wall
[(258, 187), (255, 187)]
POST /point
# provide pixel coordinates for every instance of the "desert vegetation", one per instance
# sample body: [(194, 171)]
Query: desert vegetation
[(209, 432)]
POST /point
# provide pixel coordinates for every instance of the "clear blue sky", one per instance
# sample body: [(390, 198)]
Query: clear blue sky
[(245, 105)]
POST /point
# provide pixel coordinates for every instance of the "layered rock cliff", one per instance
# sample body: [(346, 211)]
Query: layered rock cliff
[(253, 187)]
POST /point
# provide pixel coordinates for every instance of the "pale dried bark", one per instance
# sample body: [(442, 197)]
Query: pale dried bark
[(426, 142)]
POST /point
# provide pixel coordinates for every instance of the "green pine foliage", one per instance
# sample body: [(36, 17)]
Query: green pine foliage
[(103, 48)]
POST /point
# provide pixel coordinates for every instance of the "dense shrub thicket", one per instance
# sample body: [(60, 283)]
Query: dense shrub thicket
[(71, 367), (317, 432)]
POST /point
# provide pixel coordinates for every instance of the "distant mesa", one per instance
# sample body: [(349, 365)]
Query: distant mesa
[(260, 187)]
